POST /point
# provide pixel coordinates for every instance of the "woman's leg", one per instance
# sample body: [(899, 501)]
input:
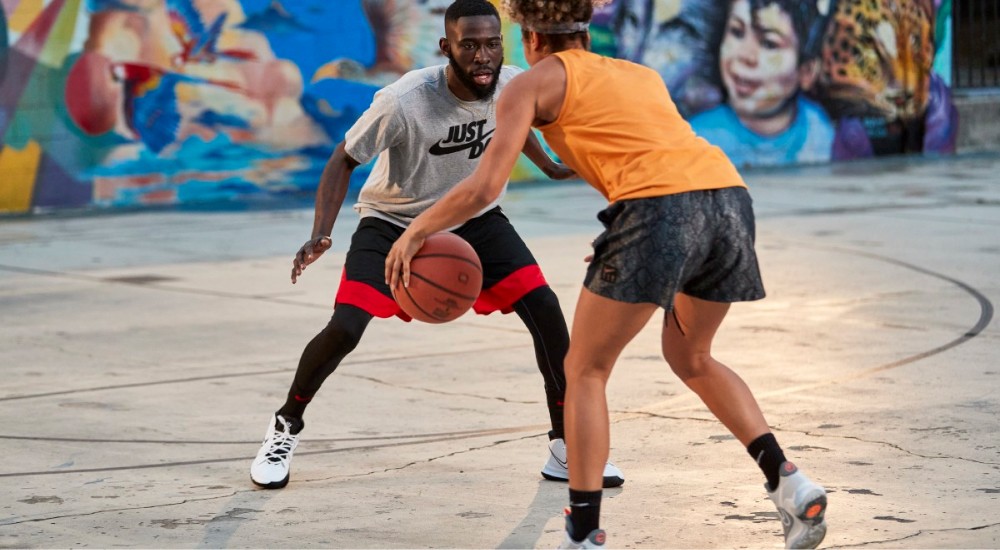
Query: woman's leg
[(688, 331), (601, 329)]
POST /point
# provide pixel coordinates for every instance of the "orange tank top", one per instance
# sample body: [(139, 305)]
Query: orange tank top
[(620, 131)]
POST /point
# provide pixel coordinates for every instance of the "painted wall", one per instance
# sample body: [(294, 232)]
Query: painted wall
[(139, 102)]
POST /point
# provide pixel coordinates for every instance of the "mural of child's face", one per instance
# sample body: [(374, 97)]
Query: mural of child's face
[(759, 60)]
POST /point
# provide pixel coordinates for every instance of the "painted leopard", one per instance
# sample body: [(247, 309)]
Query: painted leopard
[(877, 57)]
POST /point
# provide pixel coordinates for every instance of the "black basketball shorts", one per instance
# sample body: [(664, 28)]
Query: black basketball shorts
[(700, 243), (509, 269)]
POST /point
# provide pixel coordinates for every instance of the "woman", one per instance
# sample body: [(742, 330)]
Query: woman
[(679, 235)]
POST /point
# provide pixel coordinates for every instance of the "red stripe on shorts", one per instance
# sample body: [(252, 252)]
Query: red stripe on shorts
[(501, 296), (361, 295)]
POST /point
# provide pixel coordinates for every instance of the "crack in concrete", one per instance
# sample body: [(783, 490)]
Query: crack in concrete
[(893, 446), (229, 375), (632, 415), (917, 534), (441, 392), (428, 460), (124, 509)]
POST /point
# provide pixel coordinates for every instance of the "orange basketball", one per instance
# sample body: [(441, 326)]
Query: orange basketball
[(445, 279)]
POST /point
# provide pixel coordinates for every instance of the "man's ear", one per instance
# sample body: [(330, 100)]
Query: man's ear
[(445, 48), (808, 73)]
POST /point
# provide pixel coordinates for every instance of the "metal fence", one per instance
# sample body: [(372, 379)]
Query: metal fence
[(976, 55)]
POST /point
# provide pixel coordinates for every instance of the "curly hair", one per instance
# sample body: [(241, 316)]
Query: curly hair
[(531, 13)]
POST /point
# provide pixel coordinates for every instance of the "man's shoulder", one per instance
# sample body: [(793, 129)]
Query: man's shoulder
[(416, 79), (510, 70), (507, 73)]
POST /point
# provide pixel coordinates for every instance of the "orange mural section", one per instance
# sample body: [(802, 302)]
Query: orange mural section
[(19, 168)]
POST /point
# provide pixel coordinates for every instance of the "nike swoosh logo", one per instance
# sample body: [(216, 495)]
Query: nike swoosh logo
[(786, 518), (438, 149), (561, 463)]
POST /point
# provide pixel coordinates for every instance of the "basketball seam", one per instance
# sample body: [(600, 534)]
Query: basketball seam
[(439, 287), (453, 257), (417, 304)]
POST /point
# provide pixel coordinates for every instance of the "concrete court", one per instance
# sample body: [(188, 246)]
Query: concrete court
[(143, 352)]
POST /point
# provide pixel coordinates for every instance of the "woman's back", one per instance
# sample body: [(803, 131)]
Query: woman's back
[(619, 129)]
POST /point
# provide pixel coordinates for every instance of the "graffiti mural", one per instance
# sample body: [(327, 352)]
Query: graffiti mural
[(140, 102), (133, 102), (778, 82)]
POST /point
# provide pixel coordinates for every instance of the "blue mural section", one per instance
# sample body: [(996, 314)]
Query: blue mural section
[(137, 102)]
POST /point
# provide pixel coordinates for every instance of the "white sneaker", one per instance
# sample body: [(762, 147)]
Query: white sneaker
[(556, 468), (270, 469), (595, 539), (802, 506)]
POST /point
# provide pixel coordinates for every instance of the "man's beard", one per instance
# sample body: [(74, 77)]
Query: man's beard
[(467, 80)]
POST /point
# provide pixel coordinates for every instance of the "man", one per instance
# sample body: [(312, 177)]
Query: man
[(428, 130)]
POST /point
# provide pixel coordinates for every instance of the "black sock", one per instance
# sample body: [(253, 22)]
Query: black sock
[(585, 513), (769, 456), (295, 423)]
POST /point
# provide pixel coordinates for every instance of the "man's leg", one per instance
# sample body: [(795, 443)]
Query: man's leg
[(323, 354), (361, 295), (272, 465), (541, 314)]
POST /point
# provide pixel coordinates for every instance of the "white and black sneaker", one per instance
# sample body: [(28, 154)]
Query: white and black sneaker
[(595, 539), (802, 506), (270, 469), (556, 468)]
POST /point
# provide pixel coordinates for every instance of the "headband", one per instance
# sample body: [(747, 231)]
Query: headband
[(559, 28)]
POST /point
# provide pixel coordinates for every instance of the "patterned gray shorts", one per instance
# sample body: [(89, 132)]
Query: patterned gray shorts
[(700, 243)]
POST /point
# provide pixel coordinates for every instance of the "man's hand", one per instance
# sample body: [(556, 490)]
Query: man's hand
[(559, 171), (397, 263), (309, 253)]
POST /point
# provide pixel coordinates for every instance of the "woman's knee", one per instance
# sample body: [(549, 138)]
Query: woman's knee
[(591, 366), (687, 363)]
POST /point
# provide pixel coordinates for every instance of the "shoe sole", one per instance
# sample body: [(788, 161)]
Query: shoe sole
[(813, 517), (273, 484), (608, 483)]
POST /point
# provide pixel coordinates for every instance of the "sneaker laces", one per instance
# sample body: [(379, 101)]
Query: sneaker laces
[(280, 444)]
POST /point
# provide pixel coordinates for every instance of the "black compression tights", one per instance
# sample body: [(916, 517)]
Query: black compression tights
[(323, 354), (539, 310)]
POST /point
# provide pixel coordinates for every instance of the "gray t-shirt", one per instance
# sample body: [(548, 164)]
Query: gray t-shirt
[(426, 139)]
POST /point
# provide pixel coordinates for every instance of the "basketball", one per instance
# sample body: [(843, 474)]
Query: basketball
[(445, 279)]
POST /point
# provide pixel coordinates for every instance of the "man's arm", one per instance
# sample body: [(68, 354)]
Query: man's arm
[(537, 155), (333, 185)]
